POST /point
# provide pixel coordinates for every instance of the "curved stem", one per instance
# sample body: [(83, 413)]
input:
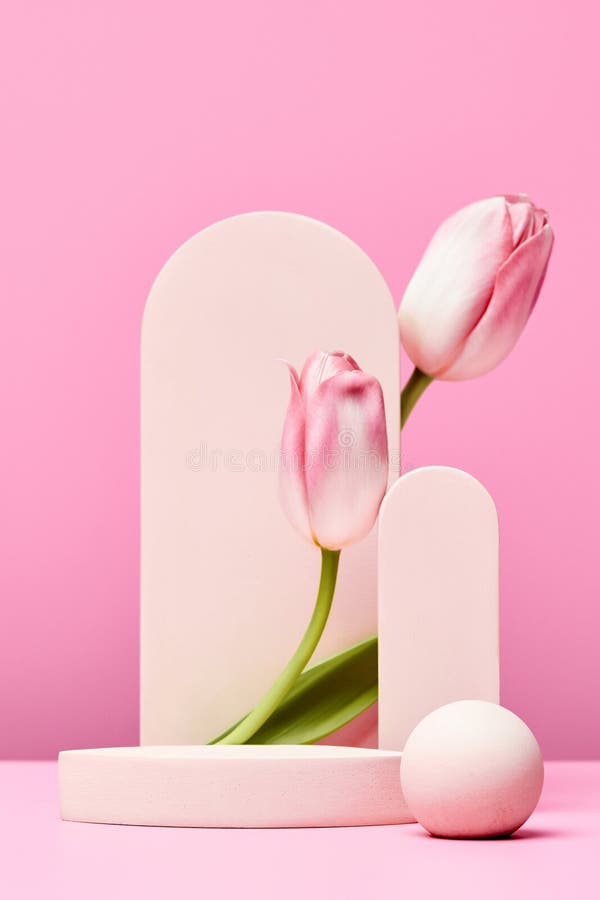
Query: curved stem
[(411, 392), (286, 680)]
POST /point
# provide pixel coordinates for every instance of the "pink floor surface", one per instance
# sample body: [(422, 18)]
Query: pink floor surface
[(555, 855)]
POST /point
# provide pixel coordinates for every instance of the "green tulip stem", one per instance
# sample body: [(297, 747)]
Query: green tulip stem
[(411, 392), (288, 677)]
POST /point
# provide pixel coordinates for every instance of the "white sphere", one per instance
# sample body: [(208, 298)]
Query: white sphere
[(471, 769)]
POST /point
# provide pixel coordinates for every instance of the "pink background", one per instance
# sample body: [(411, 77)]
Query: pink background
[(131, 125)]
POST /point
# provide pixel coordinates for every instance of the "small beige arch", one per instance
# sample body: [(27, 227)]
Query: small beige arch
[(438, 598)]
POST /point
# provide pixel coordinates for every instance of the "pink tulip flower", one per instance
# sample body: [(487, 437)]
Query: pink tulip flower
[(334, 461), (474, 290)]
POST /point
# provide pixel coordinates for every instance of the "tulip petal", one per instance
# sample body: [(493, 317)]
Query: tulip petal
[(320, 366), (518, 198), (453, 283), (517, 287), (541, 219), (292, 486), (523, 221), (346, 457)]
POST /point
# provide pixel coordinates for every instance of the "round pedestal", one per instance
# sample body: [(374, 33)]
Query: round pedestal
[(266, 786)]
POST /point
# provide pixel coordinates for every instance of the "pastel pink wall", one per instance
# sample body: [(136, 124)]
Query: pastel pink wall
[(128, 126)]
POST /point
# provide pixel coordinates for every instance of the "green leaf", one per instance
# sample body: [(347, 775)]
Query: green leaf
[(325, 697)]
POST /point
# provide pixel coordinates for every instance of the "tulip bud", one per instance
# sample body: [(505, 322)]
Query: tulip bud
[(334, 460), (474, 290)]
